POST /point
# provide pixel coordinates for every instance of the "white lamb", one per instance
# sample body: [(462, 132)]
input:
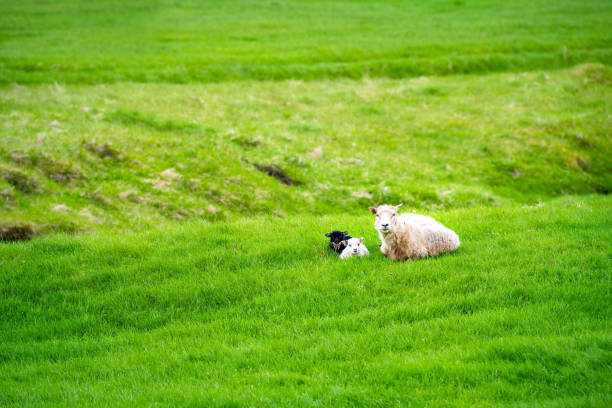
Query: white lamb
[(411, 236), (354, 247)]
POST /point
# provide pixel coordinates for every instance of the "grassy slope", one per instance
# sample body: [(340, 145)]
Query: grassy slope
[(428, 142), (520, 314), (193, 40)]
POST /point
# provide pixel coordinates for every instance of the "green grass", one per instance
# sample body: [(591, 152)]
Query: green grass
[(178, 162), (250, 313), (192, 40), (497, 139)]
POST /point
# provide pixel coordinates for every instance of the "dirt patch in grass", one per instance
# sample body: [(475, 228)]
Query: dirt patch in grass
[(20, 158), (102, 150), (278, 173), (130, 196), (246, 142), (58, 170), (16, 232), (19, 180), (53, 168)]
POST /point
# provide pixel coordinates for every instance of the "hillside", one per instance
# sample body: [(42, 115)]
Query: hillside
[(126, 156)]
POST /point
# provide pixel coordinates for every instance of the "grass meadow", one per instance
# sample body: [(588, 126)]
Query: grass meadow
[(257, 313), (168, 41), (168, 171)]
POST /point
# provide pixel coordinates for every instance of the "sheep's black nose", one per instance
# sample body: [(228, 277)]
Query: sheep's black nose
[(385, 225)]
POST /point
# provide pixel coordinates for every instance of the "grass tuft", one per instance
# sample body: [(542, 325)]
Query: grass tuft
[(102, 150), (594, 73), (19, 180)]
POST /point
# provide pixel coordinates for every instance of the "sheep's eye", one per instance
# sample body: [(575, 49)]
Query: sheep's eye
[(394, 215)]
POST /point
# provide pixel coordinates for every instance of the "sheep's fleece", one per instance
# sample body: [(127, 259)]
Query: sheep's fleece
[(411, 236)]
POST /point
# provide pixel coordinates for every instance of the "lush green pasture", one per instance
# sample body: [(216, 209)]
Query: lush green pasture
[(100, 152), (178, 163), (252, 313), (193, 40)]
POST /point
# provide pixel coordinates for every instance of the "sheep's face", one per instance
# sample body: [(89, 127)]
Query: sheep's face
[(336, 239), (353, 245), (386, 218)]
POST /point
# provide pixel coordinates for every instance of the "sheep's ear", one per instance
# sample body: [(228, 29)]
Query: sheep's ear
[(345, 242), (328, 235), (398, 206), (361, 240), (373, 210)]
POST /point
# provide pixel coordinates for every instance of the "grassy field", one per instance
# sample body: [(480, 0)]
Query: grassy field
[(252, 313), (176, 164), (193, 40), (103, 152)]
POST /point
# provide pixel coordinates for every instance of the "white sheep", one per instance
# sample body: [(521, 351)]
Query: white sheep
[(354, 247), (411, 236)]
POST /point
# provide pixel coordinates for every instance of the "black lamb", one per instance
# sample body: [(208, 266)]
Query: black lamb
[(337, 239)]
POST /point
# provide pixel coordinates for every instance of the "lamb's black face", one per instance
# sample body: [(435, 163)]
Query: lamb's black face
[(336, 239), (337, 236)]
